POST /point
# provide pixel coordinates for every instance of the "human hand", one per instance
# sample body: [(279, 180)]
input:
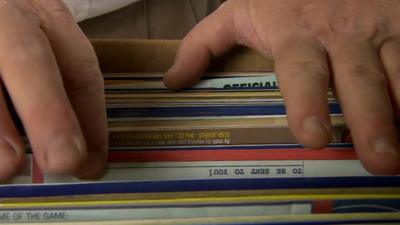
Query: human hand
[(51, 73), (354, 43)]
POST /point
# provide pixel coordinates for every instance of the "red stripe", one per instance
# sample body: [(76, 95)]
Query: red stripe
[(37, 175), (231, 155), (323, 207)]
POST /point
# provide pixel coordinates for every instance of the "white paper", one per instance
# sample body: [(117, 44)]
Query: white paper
[(85, 9)]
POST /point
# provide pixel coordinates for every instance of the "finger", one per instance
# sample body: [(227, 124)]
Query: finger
[(362, 89), (84, 85), (210, 38), (303, 73), (390, 55), (11, 149), (30, 74)]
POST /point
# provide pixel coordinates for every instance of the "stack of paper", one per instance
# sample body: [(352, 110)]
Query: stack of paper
[(218, 153)]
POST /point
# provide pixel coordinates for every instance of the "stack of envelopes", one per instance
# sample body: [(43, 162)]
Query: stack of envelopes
[(220, 152)]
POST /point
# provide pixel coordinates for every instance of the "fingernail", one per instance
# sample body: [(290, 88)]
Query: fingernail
[(64, 154), (171, 70), (169, 82), (313, 126), (174, 68), (384, 146)]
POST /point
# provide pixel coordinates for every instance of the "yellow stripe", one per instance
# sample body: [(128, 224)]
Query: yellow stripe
[(241, 199)]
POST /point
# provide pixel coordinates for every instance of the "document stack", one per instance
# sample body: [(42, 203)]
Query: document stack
[(220, 152)]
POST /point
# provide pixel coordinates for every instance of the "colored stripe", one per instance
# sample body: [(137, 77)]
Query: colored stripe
[(338, 222), (273, 109), (37, 175), (195, 185), (322, 206), (199, 201), (333, 147), (230, 155)]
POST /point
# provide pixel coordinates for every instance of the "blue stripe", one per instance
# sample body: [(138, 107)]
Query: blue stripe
[(196, 185), (131, 90), (338, 222), (273, 109)]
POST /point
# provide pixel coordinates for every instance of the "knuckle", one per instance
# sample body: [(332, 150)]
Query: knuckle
[(317, 70), (364, 75), (345, 25), (53, 112), (50, 5), (377, 122), (318, 28), (26, 48), (314, 68), (352, 21), (83, 76), (47, 10)]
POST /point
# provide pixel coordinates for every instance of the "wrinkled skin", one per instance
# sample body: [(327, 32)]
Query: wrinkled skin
[(355, 44), (51, 73)]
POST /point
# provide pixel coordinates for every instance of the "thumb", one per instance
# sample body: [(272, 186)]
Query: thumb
[(212, 37)]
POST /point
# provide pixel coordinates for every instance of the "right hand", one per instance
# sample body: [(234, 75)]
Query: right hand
[(51, 73), (353, 44)]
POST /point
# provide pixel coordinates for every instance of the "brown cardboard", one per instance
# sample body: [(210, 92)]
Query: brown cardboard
[(127, 56)]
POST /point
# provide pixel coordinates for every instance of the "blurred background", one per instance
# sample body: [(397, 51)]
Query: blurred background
[(150, 19)]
